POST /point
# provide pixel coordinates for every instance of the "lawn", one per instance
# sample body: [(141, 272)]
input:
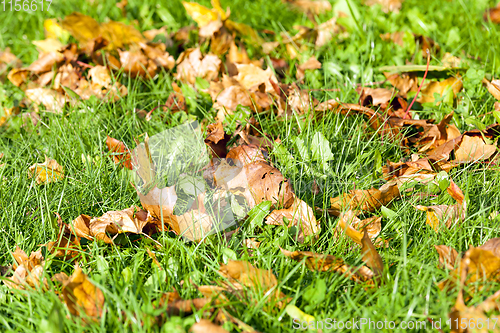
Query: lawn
[(331, 117)]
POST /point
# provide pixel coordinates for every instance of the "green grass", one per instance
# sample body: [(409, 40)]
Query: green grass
[(126, 274)]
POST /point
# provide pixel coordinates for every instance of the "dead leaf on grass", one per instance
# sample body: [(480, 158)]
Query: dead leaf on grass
[(48, 172)]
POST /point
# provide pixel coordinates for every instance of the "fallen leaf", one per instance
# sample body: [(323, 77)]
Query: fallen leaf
[(448, 256), (310, 64), (82, 297), (311, 6), (473, 149), (48, 172), (326, 263), (206, 326), (131, 220), (387, 5), (191, 64), (52, 100), (448, 215), (493, 14), (85, 29), (48, 45), (300, 215), (386, 99), (251, 77), (121, 152), (370, 255), (367, 200)]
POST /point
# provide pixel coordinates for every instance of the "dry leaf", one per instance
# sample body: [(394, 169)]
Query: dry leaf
[(121, 152), (370, 255), (310, 64), (48, 172), (325, 263), (473, 148), (191, 64), (82, 297), (52, 100), (131, 220), (367, 200), (387, 5), (251, 77), (311, 6), (449, 215), (448, 256), (85, 29), (28, 271), (299, 215), (206, 326)]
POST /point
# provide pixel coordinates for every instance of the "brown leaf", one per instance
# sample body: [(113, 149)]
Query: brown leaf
[(310, 64), (82, 297), (311, 6), (257, 181), (206, 326), (67, 244), (81, 226), (493, 14), (121, 152), (28, 271), (251, 77), (477, 264), (299, 215), (430, 88), (158, 53), (8, 60), (326, 31), (474, 316), (85, 29), (386, 99), (449, 215), (448, 256), (131, 220), (217, 140), (191, 64), (367, 200), (326, 263), (259, 281), (473, 149), (136, 64), (387, 5), (48, 172), (45, 62), (370, 254)]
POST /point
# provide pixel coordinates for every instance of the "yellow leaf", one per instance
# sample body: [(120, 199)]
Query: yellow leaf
[(47, 172), (48, 45), (54, 30), (82, 27), (200, 14)]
